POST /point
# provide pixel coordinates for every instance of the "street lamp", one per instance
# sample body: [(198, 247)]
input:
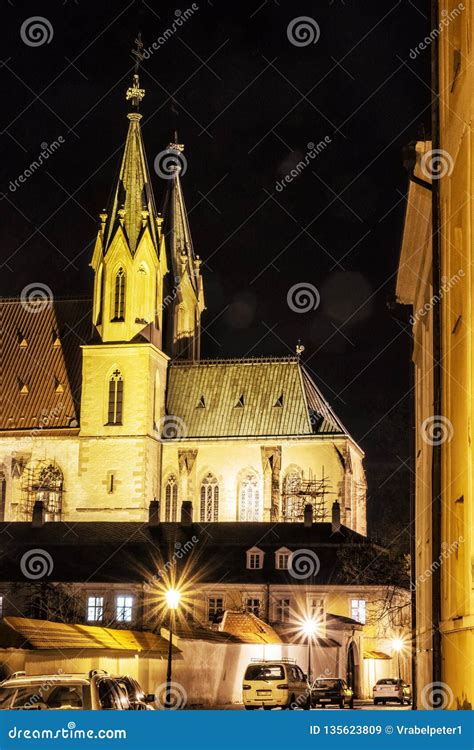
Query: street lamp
[(397, 646), (309, 628), (172, 597)]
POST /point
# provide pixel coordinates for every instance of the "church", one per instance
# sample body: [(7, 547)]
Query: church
[(107, 407)]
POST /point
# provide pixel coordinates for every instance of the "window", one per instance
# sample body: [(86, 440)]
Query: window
[(124, 608), (115, 398), (253, 606), (282, 610), (316, 608), (250, 508), (119, 302), (171, 499), (358, 610), (254, 559), (45, 483), (209, 499), (215, 608), (282, 557), (95, 608)]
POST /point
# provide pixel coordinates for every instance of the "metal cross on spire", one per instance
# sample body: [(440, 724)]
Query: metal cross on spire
[(135, 93)]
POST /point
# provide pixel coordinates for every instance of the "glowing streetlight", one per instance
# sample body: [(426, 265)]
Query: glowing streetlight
[(397, 646), (172, 597), (309, 628)]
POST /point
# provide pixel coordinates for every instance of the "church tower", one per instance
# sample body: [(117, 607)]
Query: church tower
[(125, 368), (184, 296)]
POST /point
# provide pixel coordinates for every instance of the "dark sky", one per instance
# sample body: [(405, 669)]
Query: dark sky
[(246, 102)]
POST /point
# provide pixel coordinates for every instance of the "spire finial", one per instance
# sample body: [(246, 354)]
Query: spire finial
[(135, 93)]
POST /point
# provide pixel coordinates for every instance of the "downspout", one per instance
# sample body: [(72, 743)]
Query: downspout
[(437, 396), (414, 679)]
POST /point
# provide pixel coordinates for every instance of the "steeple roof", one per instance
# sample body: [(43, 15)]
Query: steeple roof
[(133, 206)]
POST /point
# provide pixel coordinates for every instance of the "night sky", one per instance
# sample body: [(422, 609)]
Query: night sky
[(246, 101)]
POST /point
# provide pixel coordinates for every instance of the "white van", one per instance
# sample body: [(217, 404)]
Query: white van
[(275, 683)]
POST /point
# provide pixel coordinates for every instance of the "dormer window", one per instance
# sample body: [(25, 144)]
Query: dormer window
[(282, 557), (240, 402), (255, 559)]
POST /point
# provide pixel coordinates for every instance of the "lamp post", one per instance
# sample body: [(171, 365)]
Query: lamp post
[(397, 645), (172, 600), (309, 629)]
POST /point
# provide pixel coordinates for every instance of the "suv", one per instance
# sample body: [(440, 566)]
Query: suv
[(329, 690), (97, 691), (391, 689), (278, 683)]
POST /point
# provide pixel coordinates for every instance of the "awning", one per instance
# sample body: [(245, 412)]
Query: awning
[(376, 655)]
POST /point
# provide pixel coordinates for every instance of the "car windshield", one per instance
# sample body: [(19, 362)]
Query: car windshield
[(388, 681), (265, 672), (41, 696), (326, 684)]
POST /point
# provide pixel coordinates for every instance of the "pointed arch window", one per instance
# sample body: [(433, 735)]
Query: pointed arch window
[(250, 499), (115, 406), (171, 498), (209, 510), (119, 302)]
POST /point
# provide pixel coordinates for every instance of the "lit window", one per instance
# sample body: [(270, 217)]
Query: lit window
[(115, 407), (119, 304), (95, 608), (253, 606), (171, 498), (209, 499), (358, 610), (124, 608), (215, 609), (254, 559), (283, 610), (282, 558)]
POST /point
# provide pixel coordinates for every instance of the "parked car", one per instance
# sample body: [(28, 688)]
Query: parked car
[(392, 689), (97, 691), (332, 690), (278, 683), (139, 701)]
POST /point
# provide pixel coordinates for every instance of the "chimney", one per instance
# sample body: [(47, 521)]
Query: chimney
[(38, 517), (308, 516), (186, 513), (154, 513), (336, 517)]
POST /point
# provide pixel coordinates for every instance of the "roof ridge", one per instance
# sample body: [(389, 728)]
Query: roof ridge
[(232, 361)]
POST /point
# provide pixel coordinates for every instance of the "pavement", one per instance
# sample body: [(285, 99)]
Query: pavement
[(360, 705)]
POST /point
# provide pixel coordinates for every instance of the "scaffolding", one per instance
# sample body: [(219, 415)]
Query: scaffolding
[(42, 481), (299, 492)]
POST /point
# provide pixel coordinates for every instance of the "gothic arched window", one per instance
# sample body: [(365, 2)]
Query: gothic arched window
[(119, 302), (171, 498), (293, 501), (115, 405), (250, 499), (209, 499)]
